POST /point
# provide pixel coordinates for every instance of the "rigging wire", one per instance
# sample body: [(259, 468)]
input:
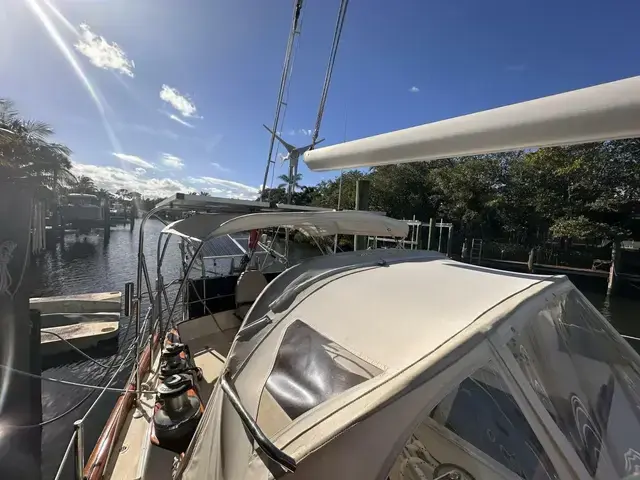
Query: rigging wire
[(77, 350), (73, 384), (342, 12), (283, 82), (86, 397), (286, 103)]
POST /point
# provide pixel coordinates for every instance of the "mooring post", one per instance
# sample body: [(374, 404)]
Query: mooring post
[(106, 213), (432, 224), (134, 214), (613, 269), (35, 387), (465, 250), (450, 241), (530, 262), (19, 448), (363, 188)]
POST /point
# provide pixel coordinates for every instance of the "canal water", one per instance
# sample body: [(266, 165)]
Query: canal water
[(84, 264)]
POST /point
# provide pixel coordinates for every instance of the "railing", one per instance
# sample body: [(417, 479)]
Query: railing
[(152, 322), (76, 444)]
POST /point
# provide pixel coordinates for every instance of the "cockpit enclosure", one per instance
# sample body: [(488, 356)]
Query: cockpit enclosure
[(407, 365)]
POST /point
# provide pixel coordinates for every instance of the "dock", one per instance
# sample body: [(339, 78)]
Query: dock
[(554, 269), (80, 335), (106, 302), (82, 320)]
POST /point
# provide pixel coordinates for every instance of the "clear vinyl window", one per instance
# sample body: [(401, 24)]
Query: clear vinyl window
[(478, 419), (588, 381)]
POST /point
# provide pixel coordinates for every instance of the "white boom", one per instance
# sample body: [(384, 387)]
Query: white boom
[(604, 112)]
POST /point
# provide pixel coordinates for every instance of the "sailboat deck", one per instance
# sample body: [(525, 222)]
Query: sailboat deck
[(134, 457)]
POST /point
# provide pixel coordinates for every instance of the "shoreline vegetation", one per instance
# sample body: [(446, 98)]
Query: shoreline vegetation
[(582, 198)]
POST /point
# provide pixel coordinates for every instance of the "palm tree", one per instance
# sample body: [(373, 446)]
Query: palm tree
[(85, 185), (26, 152), (294, 182)]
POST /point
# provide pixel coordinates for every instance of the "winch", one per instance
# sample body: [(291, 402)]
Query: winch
[(176, 359), (176, 414)]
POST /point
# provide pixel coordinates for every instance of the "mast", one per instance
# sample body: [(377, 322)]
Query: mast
[(286, 73)]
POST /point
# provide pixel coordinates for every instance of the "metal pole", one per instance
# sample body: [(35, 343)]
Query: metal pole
[(440, 235), (362, 203), (431, 226), (335, 240), (79, 448)]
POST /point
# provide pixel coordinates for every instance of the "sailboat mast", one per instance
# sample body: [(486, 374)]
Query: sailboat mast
[(286, 73)]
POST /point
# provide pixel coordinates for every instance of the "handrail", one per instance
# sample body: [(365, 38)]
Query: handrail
[(273, 452), (76, 442)]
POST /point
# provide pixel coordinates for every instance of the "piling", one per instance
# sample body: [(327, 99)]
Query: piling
[(106, 214), (19, 448), (614, 268), (363, 188), (432, 225), (530, 262), (450, 241), (465, 250), (35, 387)]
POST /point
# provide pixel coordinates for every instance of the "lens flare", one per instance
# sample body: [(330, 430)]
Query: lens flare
[(57, 39)]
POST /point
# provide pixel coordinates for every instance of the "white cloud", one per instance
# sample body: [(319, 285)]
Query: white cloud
[(306, 132), (103, 54), (172, 161), (133, 159), (181, 103), (114, 178), (414, 89), (220, 167), (224, 188), (179, 120)]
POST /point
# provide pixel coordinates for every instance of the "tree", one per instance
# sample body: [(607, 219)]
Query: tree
[(25, 151), (85, 185), (205, 194), (294, 181)]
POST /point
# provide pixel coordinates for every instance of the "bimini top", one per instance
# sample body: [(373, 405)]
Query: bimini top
[(203, 227), (605, 112)]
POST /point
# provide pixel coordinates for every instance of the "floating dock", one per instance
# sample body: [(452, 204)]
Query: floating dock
[(105, 302), (60, 319), (80, 320), (80, 335)]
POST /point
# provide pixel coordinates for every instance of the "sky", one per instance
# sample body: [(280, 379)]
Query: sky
[(160, 96)]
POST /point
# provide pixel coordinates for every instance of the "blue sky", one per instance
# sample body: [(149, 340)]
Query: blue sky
[(174, 94)]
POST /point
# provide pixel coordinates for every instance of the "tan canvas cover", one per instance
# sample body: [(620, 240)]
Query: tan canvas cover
[(400, 316), (202, 227)]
